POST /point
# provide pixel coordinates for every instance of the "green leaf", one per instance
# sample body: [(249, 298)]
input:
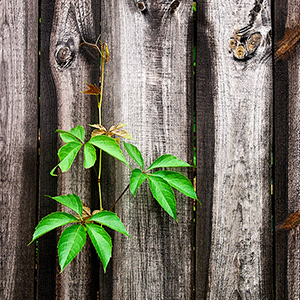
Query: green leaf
[(168, 161), (52, 221), (109, 219), (179, 182), (67, 154), (109, 145), (135, 153), (70, 244), (89, 156), (164, 194), (136, 179), (71, 201), (101, 241), (72, 135)]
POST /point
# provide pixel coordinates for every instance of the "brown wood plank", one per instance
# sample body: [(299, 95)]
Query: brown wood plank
[(65, 107), (148, 85), (233, 104), (18, 144), (287, 157)]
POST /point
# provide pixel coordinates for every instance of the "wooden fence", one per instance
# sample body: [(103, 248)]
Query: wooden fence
[(245, 104)]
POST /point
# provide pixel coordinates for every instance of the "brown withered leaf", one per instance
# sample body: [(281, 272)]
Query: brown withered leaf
[(115, 130), (99, 131), (98, 126), (121, 133), (92, 90), (292, 221), (95, 211)]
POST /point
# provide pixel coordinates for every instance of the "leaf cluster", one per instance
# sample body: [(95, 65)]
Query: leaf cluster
[(161, 182), (73, 237), (74, 140)]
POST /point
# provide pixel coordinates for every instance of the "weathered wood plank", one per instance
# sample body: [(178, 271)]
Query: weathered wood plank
[(281, 141), (71, 67), (234, 184), (18, 144), (288, 243), (148, 85)]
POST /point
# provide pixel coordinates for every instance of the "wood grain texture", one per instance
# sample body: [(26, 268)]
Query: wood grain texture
[(293, 238), (281, 141), (71, 67), (148, 85), (18, 144), (237, 206)]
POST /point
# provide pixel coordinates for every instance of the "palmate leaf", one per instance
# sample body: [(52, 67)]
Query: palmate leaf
[(73, 135), (89, 156), (67, 154), (70, 244), (135, 154), (136, 179), (179, 182), (168, 161), (101, 241), (71, 201), (164, 194), (109, 219), (108, 145), (52, 221)]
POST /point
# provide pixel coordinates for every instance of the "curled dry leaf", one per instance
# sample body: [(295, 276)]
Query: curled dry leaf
[(95, 212), (92, 90)]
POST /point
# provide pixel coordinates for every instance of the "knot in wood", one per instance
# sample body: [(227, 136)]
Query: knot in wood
[(243, 46), (64, 56), (141, 6), (174, 5)]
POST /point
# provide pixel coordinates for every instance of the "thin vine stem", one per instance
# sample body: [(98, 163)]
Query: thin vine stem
[(124, 191), (99, 110)]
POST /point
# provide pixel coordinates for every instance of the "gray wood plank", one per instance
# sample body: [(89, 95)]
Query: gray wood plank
[(235, 260), (71, 67), (18, 144), (290, 240), (148, 85)]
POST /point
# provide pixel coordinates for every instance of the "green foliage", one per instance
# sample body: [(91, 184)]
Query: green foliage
[(73, 237), (164, 194), (52, 221), (136, 179), (67, 154), (101, 241), (84, 222), (179, 182), (168, 161), (89, 156), (71, 201), (108, 145), (161, 182), (109, 219), (70, 244), (135, 154)]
